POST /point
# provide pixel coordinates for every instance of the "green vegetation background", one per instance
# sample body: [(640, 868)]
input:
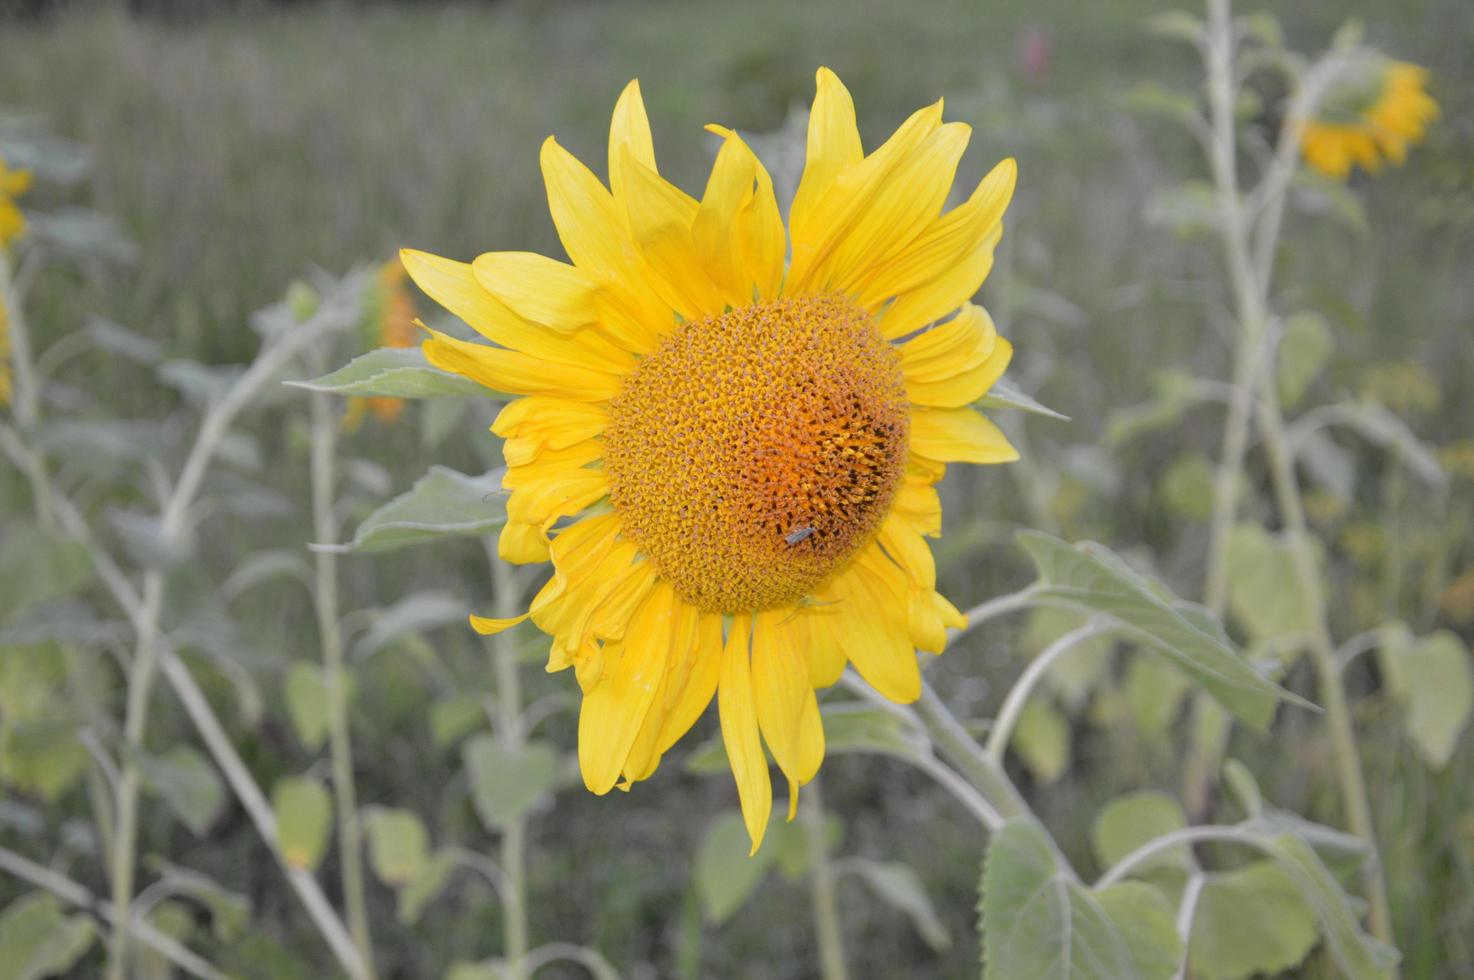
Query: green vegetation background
[(237, 152)]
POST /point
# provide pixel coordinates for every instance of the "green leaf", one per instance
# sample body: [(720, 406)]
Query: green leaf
[(1078, 672), (1091, 577), (442, 503), (901, 888), (42, 756), (856, 726), (188, 783), (725, 876), (1145, 921), (507, 782), (1304, 350), (1360, 956), (1244, 786), (37, 566), (1189, 210), (1381, 427), (1173, 393), (230, 912), (1153, 99), (1006, 394), (1249, 921), (1131, 821), (1042, 740), (1187, 487), (307, 703), (426, 886), (395, 372), (1439, 698), (1264, 591), (37, 940), (1178, 25), (486, 970), (455, 716), (416, 613), (398, 844), (1037, 923), (304, 815), (1154, 692), (1319, 195)]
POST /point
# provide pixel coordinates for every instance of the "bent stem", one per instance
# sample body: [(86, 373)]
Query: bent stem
[(509, 732), (821, 885), (1018, 696), (330, 633)]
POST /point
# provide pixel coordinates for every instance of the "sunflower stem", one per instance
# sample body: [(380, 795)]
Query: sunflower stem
[(821, 885), (506, 601), (1250, 266), (329, 627)]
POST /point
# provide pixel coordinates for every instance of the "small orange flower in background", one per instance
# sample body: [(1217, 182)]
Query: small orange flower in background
[(389, 321), (1369, 131), (730, 456), (13, 183)]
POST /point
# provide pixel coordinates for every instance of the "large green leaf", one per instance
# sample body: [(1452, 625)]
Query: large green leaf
[(442, 503), (37, 940), (507, 782), (394, 372), (1145, 921), (1250, 921), (304, 815), (1360, 956), (1154, 691), (1092, 578), (1040, 924), (1304, 349)]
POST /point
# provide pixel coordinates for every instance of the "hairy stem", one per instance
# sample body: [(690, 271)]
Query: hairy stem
[(821, 885), (1018, 695), (509, 731), (330, 633)]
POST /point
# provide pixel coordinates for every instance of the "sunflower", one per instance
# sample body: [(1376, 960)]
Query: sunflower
[(389, 321), (728, 434), (1369, 131)]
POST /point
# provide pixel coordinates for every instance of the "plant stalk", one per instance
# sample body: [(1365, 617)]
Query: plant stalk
[(821, 885), (330, 632), (509, 732)]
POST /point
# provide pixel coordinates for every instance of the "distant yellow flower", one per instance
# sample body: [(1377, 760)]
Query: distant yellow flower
[(13, 183), (389, 321), (1381, 128), (728, 458)]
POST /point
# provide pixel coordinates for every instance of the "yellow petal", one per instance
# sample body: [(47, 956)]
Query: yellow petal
[(951, 237), (780, 684), (958, 435), (522, 544), (713, 228), (613, 711), (810, 739), (906, 202), (546, 462), (740, 731), (833, 147), (660, 219), (848, 199), (544, 501), (629, 131), (872, 625), (927, 303), (703, 667), (589, 225), (487, 626), (955, 364), (454, 286), (539, 289), (513, 372)]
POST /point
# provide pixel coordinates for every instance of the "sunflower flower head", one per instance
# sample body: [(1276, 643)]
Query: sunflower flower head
[(389, 321), (1374, 119), (727, 431)]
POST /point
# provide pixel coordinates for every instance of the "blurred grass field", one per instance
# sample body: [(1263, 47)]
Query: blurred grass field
[(238, 151)]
